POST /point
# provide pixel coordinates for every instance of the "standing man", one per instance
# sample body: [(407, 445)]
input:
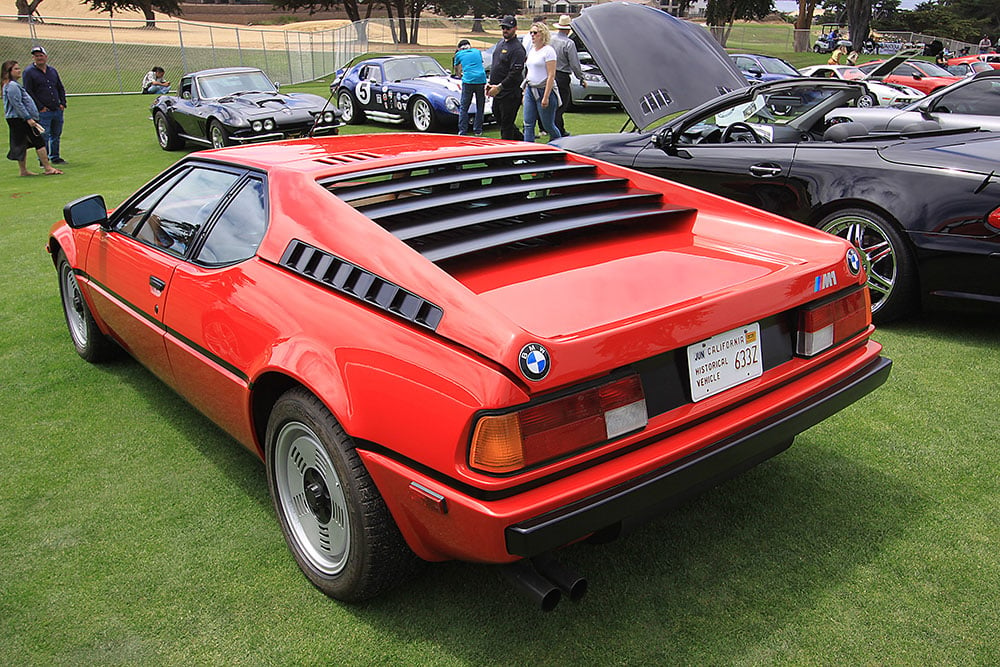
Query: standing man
[(506, 73), (45, 87), (985, 44), (468, 64), (567, 61)]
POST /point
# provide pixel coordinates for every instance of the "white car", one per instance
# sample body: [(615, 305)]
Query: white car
[(882, 94)]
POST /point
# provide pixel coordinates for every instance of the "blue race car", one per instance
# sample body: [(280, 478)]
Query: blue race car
[(400, 89)]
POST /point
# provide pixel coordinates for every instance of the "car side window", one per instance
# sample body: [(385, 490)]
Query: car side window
[(176, 218), (977, 97), (239, 229), (132, 216), (906, 70)]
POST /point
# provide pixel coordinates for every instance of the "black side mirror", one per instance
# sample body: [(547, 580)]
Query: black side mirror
[(86, 211)]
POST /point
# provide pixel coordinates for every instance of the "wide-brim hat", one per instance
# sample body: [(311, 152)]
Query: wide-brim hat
[(563, 23), (508, 22)]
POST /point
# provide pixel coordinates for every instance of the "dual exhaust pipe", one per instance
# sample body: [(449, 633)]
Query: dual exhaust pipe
[(545, 580)]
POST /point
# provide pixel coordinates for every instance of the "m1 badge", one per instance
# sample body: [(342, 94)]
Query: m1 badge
[(534, 361)]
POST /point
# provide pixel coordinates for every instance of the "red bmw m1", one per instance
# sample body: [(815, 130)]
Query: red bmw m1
[(465, 348)]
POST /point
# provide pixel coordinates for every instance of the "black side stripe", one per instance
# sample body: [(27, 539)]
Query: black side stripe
[(201, 351)]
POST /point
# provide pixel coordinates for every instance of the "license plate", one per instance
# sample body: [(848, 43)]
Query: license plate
[(724, 361)]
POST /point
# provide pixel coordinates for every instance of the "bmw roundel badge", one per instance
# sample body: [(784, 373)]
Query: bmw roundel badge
[(534, 361), (853, 261)]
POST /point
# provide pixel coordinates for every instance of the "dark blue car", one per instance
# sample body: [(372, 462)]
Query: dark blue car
[(401, 89), (756, 67)]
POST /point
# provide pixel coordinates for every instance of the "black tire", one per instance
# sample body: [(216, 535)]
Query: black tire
[(88, 339), (217, 135), (886, 256), (422, 115), (166, 132), (350, 108), (332, 515)]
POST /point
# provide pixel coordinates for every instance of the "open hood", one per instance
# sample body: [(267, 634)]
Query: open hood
[(656, 64), (890, 65)]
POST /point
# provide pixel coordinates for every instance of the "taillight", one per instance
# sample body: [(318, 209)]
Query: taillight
[(826, 324), (993, 219), (510, 442)]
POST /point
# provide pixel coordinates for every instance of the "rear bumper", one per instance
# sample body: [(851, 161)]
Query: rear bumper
[(659, 490), (441, 520)]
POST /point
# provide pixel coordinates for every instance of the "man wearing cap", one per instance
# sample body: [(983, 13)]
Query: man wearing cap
[(567, 60), (506, 73), (45, 87), (468, 64)]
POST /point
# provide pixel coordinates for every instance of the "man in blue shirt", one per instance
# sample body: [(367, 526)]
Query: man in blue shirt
[(468, 64), (45, 87)]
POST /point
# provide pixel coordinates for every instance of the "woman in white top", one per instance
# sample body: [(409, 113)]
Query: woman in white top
[(541, 99)]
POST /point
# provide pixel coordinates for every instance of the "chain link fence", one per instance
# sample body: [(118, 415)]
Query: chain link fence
[(110, 56)]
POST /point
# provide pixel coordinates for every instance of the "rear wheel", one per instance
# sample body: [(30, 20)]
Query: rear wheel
[(866, 101), (350, 111), (166, 132), (218, 135), (887, 258), (421, 115), (88, 339), (332, 515)]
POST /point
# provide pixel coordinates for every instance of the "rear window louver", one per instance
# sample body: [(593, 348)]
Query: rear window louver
[(353, 281), (346, 158), (455, 207)]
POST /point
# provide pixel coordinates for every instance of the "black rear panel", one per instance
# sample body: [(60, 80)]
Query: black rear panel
[(452, 208)]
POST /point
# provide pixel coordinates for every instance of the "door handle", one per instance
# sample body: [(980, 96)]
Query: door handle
[(156, 283), (765, 170)]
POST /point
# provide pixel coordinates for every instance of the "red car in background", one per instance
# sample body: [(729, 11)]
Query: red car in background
[(991, 60), (920, 74), (465, 348)]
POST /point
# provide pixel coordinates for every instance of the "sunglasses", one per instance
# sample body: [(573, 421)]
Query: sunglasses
[(533, 32)]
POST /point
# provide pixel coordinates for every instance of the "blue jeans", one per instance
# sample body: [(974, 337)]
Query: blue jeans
[(468, 91), (52, 121), (157, 90), (534, 111)]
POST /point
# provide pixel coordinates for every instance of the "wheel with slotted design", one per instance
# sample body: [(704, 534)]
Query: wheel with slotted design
[(332, 515), (886, 256)]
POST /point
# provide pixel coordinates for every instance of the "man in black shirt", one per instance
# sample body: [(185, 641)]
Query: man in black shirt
[(506, 73)]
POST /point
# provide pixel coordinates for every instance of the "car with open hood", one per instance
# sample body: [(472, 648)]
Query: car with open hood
[(881, 93), (450, 347), (921, 204), (237, 105), (411, 89), (923, 75)]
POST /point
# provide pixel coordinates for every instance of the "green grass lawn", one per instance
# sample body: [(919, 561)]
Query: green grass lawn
[(133, 532)]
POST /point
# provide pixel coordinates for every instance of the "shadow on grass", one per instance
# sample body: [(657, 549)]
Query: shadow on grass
[(735, 561)]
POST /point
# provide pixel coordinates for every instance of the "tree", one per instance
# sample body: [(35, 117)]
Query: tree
[(803, 25), (25, 9), (859, 21), (479, 9), (147, 7), (721, 14)]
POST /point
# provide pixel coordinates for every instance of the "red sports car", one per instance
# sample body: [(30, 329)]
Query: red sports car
[(465, 348), (920, 74)]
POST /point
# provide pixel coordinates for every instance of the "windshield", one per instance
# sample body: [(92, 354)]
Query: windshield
[(777, 66), (851, 74), (230, 83), (930, 69), (412, 68)]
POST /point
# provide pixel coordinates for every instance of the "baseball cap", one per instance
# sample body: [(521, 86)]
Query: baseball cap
[(464, 43), (508, 22), (37, 49)]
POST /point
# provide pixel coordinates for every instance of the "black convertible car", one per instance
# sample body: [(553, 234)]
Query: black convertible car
[(922, 204), (237, 105)]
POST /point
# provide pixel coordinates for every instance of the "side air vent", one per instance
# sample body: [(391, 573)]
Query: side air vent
[(654, 101), (353, 281), (450, 208)]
